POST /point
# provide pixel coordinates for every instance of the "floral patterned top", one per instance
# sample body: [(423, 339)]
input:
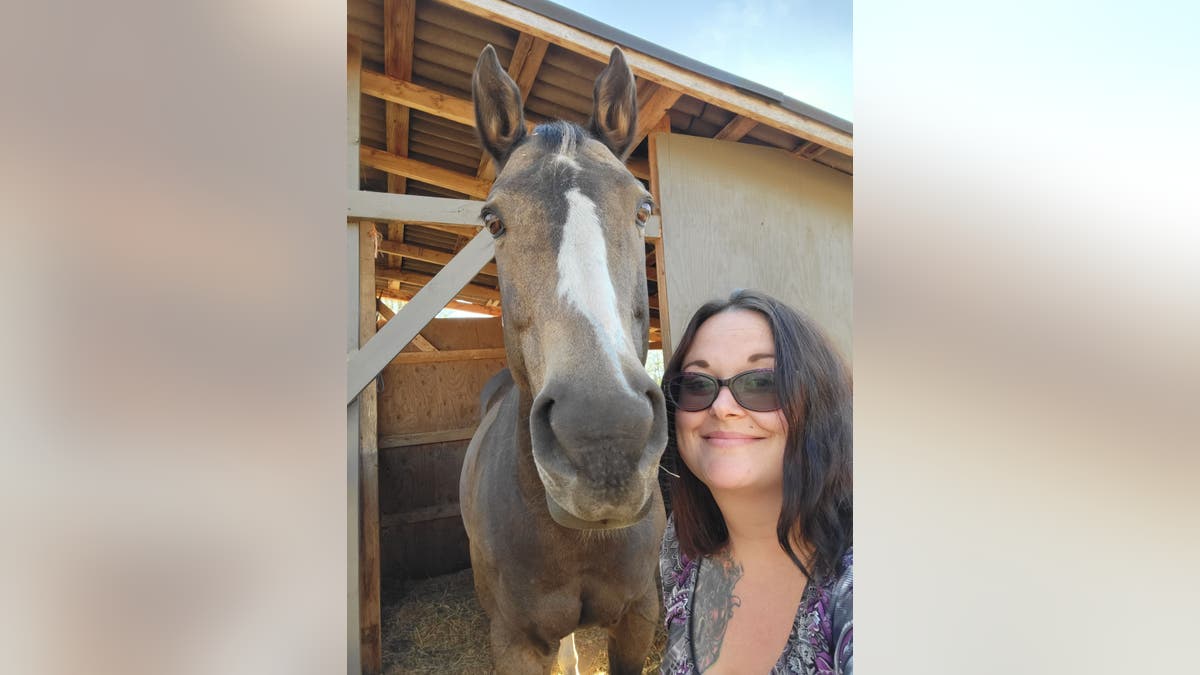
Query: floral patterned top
[(822, 637)]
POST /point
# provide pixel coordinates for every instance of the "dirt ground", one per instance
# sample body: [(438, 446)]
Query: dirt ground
[(437, 626)]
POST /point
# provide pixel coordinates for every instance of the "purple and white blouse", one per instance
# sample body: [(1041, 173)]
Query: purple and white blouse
[(822, 637)]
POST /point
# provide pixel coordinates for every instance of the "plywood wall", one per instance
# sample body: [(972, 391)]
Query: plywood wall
[(744, 216), (422, 533)]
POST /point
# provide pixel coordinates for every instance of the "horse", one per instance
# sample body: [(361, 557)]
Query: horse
[(559, 490)]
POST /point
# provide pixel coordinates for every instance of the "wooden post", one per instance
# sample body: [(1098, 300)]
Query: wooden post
[(399, 28), (368, 462), (664, 319), (353, 638)]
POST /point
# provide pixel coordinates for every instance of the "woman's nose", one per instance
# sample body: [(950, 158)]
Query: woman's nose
[(726, 405)]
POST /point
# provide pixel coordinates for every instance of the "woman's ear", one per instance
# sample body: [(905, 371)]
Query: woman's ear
[(614, 106), (499, 116)]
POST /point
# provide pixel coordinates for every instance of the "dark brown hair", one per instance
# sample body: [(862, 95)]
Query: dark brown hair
[(815, 393)]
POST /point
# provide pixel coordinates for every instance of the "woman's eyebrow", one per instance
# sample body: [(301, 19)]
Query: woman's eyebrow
[(756, 357), (697, 362)]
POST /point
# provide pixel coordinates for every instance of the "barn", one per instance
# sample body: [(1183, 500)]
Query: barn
[(754, 190)]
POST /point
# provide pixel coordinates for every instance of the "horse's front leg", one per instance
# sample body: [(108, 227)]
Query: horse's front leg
[(630, 639), (515, 653)]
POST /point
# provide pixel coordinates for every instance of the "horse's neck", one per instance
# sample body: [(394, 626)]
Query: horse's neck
[(528, 481)]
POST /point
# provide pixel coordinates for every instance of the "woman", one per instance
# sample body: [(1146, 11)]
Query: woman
[(756, 562)]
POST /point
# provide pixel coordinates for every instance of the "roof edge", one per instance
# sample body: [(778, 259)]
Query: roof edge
[(607, 32)]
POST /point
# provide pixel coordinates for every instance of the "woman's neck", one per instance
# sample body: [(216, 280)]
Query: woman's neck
[(751, 519)]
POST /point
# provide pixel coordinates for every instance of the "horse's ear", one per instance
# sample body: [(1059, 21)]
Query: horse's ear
[(614, 101), (499, 119)]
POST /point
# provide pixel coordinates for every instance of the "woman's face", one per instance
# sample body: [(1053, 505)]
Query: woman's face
[(726, 446)]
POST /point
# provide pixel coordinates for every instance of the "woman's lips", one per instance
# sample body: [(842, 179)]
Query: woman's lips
[(729, 438)]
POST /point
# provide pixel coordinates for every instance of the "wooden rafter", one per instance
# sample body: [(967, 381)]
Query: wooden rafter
[(427, 255), (407, 294), (667, 74), (423, 171), (474, 291), (809, 150), (654, 111), (399, 27), (736, 129)]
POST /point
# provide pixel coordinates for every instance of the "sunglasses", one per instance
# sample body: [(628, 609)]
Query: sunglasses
[(753, 390)]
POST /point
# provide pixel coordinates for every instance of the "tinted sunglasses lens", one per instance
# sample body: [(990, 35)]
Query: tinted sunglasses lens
[(693, 391), (756, 390)]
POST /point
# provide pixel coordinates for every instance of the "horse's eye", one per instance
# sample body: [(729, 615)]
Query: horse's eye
[(493, 223), (643, 212)]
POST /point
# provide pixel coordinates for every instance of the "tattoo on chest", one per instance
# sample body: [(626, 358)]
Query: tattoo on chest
[(715, 602)]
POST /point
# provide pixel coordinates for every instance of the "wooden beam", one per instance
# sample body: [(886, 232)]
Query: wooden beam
[(422, 515), (449, 355), (412, 95), (428, 100), (427, 255), (383, 310), (370, 360), (423, 343), (808, 150), (353, 407), (660, 299), (422, 171), (415, 209), (399, 29), (370, 619), (425, 438), (666, 74), (652, 113), (638, 167), (457, 304), (736, 129), (418, 279)]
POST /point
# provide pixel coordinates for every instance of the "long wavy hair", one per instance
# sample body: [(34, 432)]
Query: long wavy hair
[(815, 391)]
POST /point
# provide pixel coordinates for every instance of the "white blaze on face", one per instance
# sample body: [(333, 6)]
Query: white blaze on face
[(583, 278)]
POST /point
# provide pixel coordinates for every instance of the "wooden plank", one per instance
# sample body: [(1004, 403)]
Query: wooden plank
[(399, 27), (418, 279), (448, 355), (353, 119), (457, 304), (422, 515), (667, 74), (738, 127), (423, 344), (427, 254), (661, 300), (427, 100), (415, 209), (652, 113), (422, 171), (808, 150), (425, 438), (638, 167), (415, 96), (526, 62), (372, 357), (384, 311), (370, 631)]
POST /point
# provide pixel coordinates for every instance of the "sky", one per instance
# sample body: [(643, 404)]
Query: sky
[(799, 47)]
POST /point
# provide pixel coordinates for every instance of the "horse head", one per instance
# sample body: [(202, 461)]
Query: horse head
[(567, 217)]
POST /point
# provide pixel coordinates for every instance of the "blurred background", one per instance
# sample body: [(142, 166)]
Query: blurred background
[(1027, 310)]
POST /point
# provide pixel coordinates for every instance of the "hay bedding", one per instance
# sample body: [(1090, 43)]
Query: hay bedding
[(437, 626)]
